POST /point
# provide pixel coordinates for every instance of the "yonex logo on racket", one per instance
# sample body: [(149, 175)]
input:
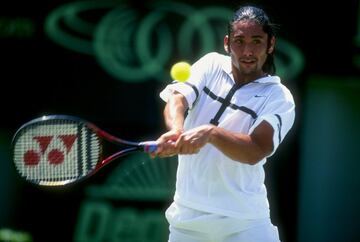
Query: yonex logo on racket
[(55, 150), (55, 155)]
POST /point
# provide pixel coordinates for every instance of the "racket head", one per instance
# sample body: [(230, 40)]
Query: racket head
[(56, 150)]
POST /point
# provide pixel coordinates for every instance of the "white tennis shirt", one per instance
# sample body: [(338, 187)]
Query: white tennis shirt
[(210, 181)]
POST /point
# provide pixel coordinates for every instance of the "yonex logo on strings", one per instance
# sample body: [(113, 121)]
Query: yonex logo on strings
[(54, 156)]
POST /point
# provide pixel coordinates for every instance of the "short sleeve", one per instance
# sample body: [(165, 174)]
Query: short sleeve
[(190, 92), (279, 112)]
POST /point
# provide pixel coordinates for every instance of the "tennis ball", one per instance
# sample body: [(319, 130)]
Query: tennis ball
[(180, 71)]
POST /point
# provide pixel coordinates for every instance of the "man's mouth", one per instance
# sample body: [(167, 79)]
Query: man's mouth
[(247, 61)]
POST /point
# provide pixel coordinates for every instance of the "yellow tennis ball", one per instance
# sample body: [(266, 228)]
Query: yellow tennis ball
[(180, 71)]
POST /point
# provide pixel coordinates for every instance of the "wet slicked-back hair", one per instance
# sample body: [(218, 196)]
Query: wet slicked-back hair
[(258, 15)]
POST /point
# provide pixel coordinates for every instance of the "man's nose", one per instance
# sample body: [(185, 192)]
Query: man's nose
[(248, 50)]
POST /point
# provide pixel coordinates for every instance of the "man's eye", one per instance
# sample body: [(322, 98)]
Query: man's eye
[(257, 41), (238, 41)]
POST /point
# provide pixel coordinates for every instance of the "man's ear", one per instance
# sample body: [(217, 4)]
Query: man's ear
[(226, 44), (272, 45)]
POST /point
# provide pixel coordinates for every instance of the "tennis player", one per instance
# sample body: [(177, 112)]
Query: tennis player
[(224, 122)]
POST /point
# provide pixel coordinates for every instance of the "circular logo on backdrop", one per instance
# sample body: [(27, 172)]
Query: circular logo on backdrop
[(133, 46)]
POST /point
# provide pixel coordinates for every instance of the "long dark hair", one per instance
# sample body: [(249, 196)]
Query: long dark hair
[(259, 15)]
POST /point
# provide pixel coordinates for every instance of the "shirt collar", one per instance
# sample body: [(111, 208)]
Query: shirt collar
[(268, 79)]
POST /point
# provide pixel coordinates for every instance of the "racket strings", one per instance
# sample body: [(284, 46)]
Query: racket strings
[(56, 151)]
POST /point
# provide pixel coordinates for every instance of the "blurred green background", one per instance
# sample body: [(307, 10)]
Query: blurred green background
[(106, 61)]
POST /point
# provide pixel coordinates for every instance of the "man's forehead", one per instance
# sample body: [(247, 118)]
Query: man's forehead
[(247, 28)]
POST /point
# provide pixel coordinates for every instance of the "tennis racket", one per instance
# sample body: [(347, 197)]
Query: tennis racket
[(57, 150)]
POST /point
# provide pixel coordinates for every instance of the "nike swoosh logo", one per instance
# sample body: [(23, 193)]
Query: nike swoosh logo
[(259, 96)]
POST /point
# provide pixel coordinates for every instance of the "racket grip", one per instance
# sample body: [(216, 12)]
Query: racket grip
[(149, 146)]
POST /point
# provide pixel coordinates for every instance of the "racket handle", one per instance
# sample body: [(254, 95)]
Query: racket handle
[(149, 146)]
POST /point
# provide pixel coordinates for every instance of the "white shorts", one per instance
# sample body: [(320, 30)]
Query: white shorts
[(188, 225)]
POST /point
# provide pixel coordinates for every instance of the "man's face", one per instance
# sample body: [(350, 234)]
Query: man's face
[(248, 48)]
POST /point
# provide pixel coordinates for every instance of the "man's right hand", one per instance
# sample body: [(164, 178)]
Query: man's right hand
[(166, 144)]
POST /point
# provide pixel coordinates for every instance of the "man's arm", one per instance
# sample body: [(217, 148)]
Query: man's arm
[(174, 115), (174, 112), (240, 147), (248, 149), (245, 148)]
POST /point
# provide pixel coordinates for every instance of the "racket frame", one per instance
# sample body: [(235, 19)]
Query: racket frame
[(146, 146)]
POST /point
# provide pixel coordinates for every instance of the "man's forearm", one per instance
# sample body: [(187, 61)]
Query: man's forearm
[(241, 147), (238, 147), (174, 112)]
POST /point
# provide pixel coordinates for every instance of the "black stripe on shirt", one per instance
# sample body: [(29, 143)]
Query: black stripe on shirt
[(226, 103), (195, 90), (279, 126), (192, 86), (244, 109)]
